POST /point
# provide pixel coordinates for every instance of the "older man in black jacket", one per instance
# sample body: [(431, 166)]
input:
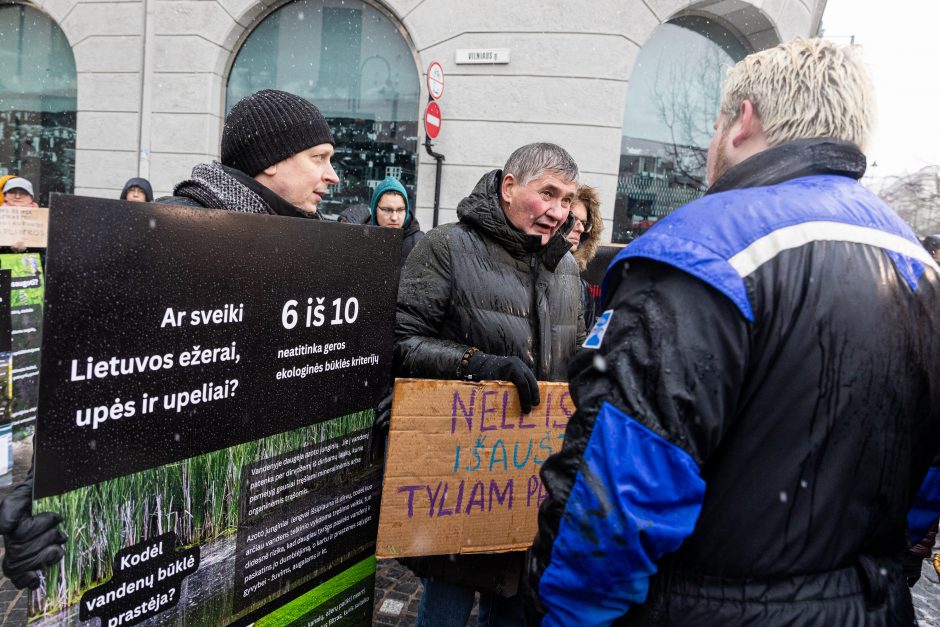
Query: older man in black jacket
[(493, 296)]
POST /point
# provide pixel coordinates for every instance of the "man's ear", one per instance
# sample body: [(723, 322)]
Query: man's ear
[(748, 123), (271, 170), (505, 187)]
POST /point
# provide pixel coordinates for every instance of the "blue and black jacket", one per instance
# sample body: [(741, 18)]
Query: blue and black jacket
[(757, 409)]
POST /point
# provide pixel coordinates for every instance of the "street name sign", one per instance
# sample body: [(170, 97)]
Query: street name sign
[(482, 56)]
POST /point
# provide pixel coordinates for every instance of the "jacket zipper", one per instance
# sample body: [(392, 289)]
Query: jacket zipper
[(534, 317)]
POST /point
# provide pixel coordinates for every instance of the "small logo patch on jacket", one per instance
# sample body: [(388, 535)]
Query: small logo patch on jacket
[(596, 336)]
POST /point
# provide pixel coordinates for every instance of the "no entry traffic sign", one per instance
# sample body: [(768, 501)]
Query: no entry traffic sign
[(432, 120), (435, 80)]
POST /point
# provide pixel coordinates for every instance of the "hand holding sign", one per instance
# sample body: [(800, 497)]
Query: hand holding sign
[(461, 474), (31, 542), (484, 367)]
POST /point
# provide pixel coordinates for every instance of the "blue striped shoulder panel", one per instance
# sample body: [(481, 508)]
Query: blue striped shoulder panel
[(723, 238)]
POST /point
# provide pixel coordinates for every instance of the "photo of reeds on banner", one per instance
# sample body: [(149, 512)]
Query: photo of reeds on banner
[(205, 408)]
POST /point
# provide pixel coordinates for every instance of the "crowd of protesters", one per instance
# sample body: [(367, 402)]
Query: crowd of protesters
[(757, 434)]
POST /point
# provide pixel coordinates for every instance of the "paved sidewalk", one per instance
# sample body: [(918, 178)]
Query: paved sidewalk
[(397, 595), (398, 592), (926, 595)]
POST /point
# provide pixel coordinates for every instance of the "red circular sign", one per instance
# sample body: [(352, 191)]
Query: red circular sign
[(435, 80), (432, 120)]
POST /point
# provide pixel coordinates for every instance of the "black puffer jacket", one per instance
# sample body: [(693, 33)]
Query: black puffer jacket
[(411, 232), (481, 282)]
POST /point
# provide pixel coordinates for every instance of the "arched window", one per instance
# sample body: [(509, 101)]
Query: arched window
[(669, 117), (352, 61), (37, 101)]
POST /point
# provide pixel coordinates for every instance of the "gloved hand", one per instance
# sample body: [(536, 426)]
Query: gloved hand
[(912, 567), (486, 367), (567, 225), (379, 437), (528, 589), (31, 542), (916, 554)]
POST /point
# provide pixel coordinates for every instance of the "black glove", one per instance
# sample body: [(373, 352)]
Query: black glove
[(383, 416), (32, 542), (916, 553), (485, 367), (912, 568), (567, 225), (534, 611)]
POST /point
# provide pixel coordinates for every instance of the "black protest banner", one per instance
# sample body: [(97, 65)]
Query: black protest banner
[(208, 387)]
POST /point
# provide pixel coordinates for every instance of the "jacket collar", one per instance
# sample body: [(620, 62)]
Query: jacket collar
[(215, 186), (411, 226), (482, 210), (803, 157), (278, 205)]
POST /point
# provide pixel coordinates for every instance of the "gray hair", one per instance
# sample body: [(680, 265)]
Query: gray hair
[(532, 160)]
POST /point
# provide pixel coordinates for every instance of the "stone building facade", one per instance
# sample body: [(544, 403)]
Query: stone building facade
[(152, 78)]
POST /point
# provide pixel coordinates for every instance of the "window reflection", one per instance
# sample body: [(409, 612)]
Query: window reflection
[(350, 60), (669, 115), (37, 101)]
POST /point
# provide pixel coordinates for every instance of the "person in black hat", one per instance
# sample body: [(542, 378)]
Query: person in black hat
[(276, 152)]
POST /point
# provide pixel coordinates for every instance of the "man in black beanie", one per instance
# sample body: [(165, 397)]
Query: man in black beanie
[(276, 151)]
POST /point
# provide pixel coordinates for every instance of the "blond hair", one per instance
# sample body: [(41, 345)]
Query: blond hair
[(802, 89), (589, 197)]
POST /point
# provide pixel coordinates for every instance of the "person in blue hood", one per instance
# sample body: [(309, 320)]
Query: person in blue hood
[(390, 209), (137, 189)]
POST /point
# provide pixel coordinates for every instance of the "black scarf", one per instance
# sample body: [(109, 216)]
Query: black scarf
[(216, 186)]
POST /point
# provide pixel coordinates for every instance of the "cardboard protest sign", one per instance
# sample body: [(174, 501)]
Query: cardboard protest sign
[(462, 469), (26, 293), (24, 227), (208, 388)]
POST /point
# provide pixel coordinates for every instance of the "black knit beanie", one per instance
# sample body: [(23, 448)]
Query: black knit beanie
[(269, 126)]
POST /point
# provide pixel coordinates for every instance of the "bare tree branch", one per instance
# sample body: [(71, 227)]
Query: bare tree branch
[(684, 94), (916, 198)]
